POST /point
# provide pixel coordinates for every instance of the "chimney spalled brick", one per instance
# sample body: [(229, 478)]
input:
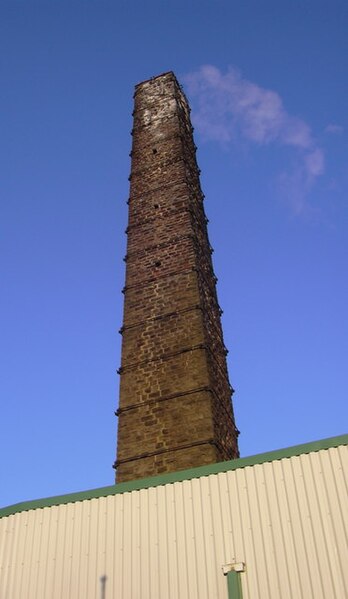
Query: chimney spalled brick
[(175, 409)]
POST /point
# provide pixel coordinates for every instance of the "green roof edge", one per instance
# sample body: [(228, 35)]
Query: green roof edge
[(173, 477)]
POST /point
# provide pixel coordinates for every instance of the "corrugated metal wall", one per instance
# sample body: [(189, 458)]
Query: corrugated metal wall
[(286, 519)]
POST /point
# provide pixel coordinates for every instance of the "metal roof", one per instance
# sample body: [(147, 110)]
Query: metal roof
[(271, 526), (179, 476)]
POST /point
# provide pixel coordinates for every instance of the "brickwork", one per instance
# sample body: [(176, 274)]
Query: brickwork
[(175, 407)]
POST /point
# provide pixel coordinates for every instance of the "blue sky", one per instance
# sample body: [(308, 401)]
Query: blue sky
[(267, 82)]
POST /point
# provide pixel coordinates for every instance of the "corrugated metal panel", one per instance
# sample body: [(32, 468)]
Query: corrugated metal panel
[(287, 520)]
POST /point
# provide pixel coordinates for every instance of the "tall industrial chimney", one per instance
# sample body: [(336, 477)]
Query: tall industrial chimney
[(175, 409)]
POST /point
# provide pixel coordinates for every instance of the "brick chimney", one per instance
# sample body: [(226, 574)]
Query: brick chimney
[(175, 409)]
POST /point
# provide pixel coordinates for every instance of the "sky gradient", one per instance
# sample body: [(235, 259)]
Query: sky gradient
[(267, 83)]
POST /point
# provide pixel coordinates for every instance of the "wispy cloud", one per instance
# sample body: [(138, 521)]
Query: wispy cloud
[(332, 128), (230, 108)]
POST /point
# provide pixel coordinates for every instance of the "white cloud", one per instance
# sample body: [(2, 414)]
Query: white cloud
[(314, 161), (332, 128), (231, 108)]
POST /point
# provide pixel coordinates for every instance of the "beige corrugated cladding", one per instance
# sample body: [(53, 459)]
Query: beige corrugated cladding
[(285, 518)]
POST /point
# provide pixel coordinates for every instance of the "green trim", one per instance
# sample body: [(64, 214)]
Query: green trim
[(234, 585), (173, 477)]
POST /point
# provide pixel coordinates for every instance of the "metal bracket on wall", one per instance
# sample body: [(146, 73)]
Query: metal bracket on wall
[(234, 586)]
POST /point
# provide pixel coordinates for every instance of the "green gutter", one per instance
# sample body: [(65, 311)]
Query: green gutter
[(180, 476)]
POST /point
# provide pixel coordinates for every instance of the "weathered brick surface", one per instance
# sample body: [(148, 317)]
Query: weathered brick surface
[(162, 336), (160, 463), (175, 406), (154, 426), (161, 261), (161, 296), (154, 231), (154, 379)]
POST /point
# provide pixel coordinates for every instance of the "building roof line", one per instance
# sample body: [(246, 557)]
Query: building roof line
[(180, 476)]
